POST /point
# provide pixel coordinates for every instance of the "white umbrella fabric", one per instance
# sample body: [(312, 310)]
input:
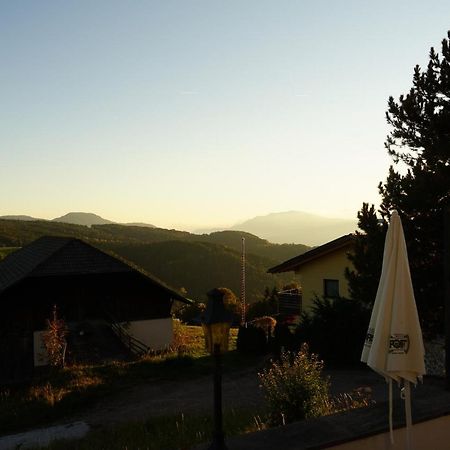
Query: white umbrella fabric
[(394, 346)]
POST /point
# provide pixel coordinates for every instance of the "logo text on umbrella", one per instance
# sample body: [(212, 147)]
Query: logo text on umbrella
[(399, 344)]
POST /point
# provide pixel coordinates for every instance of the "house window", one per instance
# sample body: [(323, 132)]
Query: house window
[(331, 288)]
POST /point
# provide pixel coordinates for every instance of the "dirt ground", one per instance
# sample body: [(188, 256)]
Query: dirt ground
[(240, 390)]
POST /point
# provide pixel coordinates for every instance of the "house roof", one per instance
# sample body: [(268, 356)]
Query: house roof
[(56, 256), (317, 252)]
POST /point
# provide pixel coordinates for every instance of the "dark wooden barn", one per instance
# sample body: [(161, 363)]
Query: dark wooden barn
[(88, 286)]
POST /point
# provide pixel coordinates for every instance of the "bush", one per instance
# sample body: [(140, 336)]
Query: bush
[(294, 388), (268, 306), (190, 314), (283, 339), (335, 329), (55, 340), (252, 340)]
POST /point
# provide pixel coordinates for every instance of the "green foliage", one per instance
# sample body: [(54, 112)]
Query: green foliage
[(284, 340), (268, 306), (54, 395), (294, 387), (19, 233), (178, 258), (367, 256), (252, 340), (419, 141), (198, 266), (232, 304), (167, 432), (190, 314), (335, 329), (255, 245)]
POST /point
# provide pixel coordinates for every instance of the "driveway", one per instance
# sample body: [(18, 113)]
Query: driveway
[(240, 390)]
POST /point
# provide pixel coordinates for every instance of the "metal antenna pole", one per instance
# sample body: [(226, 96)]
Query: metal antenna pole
[(243, 304)]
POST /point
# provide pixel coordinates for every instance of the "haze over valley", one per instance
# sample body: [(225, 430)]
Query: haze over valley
[(296, 227)]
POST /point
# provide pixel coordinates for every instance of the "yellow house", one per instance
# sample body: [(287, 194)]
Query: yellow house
[(321, 270)]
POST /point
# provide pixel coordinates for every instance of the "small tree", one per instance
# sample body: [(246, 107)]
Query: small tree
[(55, 340)]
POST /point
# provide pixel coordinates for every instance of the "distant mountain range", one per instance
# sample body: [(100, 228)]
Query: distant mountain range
[(77, 218), (295, 227), (25, 218), (82, 218), (285, 227), (196, 262), (193, 262)]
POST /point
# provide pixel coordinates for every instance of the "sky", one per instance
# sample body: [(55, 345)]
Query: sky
[(196, 113)]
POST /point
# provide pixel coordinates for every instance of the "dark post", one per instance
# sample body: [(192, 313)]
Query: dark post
[(447, 293), (218, 442)]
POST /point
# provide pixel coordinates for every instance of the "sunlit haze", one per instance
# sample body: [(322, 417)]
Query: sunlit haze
[(202, 113)]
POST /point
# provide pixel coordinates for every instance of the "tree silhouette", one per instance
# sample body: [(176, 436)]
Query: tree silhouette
[(417, 185)]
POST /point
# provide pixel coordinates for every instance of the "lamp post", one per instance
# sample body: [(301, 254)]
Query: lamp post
[(216, 325)]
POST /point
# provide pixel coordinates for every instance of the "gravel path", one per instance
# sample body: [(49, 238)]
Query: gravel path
[(240, 390)]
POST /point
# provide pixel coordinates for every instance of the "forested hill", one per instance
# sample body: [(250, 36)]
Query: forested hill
[(18, 233), (198, 267), (181, 259)]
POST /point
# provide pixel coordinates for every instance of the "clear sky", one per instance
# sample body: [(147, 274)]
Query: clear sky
[(199, 112)]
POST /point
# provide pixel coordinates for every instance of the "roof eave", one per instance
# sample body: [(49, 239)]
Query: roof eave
[(295, 263)]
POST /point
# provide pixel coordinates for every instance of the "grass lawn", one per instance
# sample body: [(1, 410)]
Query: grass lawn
[(173, 432), (75, 389), (52, 396)]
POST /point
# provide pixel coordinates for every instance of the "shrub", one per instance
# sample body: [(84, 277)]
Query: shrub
[(252, 340), (191, 314), (180, 337), (283, 339), (294, 387), (335, 329), (55, 340), (268, 306)]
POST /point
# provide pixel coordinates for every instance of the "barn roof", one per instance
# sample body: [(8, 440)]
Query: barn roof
[(317, 252), (56, 256)]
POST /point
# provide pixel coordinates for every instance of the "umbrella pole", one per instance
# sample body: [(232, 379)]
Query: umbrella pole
[(408, 414), (391, 409)]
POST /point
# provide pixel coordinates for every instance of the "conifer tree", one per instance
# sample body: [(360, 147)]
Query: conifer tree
[(417, 185), (367, 256)]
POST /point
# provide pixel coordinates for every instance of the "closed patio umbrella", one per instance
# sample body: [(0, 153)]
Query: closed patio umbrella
[(394, 345)]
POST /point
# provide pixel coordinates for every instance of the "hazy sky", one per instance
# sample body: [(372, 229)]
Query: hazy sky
[(187, 113)]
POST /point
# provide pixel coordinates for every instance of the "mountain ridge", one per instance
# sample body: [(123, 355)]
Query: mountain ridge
[(181, 259), (296, 227), (76, 218)]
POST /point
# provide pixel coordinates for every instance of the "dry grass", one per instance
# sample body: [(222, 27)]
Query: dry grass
[(180, 431), (348, 401), (59, 393), (189, 340)]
